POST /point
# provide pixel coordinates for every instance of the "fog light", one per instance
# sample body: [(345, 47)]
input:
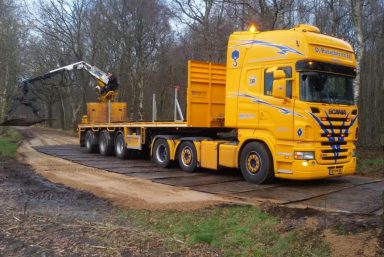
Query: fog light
[(305, 164), (304, 155)]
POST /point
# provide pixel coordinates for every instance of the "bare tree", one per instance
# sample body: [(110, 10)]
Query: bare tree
[(357, 6), (62, 25), (207, 28), (10, 62)]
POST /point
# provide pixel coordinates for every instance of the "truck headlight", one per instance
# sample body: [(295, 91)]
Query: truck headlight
[(304, 155)]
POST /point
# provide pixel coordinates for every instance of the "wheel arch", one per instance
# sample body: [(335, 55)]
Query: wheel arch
[(168, 138), (267, 145), (193, 140)]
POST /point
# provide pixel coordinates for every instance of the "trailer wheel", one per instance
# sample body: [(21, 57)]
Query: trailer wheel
[(160, 154), (121, 150), (187, 156), (105, 143), (91, 141), (256, 163)]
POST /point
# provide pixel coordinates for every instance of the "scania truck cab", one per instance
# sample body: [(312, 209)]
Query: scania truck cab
[(291, 91)]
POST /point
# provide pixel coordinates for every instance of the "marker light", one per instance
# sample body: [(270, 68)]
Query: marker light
[(304, 155), (252, 28)]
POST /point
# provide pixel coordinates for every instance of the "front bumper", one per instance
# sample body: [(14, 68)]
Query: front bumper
[(313, 170)]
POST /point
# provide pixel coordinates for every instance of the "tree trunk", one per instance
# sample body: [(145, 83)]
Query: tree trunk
[(63, 114), (49, 114), (141, 97), (357, 20)]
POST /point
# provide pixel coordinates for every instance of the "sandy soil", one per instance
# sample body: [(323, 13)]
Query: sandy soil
[(120, 189), (347, 235), (39, 218), (363, 244)]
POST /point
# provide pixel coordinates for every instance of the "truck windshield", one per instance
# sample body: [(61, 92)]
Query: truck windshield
[(326, 88)]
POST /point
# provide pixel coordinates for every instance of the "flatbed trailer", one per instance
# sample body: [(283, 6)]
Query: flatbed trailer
[(263, 112)]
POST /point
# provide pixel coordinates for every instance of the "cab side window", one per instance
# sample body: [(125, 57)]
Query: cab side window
[(268, 81)]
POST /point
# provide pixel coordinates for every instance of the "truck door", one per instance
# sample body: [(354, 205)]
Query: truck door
[(276, 115), (248, 108)]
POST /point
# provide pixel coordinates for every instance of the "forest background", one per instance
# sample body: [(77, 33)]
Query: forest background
[(146, 44)]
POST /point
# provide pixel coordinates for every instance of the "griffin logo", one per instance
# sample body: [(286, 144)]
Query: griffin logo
[(337, 111)]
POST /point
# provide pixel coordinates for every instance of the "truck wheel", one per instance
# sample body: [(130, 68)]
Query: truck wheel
[(105, 143), (256, 163), (90, 141), (187, 156), (121, 150), (160, 154)]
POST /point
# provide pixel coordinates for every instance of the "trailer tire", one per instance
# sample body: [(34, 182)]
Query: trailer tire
[(91, 141), (161, 154), (187, 156), (121, 150), (256, 163), (106, 144)]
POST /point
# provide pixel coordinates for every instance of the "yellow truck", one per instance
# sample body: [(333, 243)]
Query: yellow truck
[(282, 106)]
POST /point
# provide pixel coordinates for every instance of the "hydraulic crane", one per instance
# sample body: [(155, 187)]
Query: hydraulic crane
[(106, 88)]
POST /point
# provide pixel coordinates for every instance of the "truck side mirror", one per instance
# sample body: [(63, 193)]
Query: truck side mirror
[(279, 74), (279, 88)]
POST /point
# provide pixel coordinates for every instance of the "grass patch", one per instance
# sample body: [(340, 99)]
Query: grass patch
[(9, 142), (234, 230), (370, 166), (370, 161)]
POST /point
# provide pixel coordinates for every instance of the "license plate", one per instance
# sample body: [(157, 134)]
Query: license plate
[(335, 171)]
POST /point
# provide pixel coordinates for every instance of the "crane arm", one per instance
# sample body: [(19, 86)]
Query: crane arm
[(93, 70), (107, 85)]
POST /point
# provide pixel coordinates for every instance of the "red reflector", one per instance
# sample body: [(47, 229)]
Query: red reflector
[(328, 135), (323, 119), (348, 119)]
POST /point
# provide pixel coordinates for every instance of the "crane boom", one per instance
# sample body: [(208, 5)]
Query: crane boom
[(106, 86), (93, 70)]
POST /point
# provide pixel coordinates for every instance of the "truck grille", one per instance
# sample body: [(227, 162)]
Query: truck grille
[(335, 139), (334, 143), (335, 155), (334, 132), (333, 158), (334, 135)]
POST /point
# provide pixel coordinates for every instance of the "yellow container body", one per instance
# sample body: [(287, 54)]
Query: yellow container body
[(98, 112), (206, 94)]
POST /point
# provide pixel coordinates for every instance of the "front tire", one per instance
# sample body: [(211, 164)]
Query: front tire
[(256, 163), (187, 156), (90, 141), (161, 154), (121, 150)]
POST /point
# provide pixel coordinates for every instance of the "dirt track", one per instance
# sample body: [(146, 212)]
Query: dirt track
[(120, 189), (40, 218), (138, 183), (130, 182)]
